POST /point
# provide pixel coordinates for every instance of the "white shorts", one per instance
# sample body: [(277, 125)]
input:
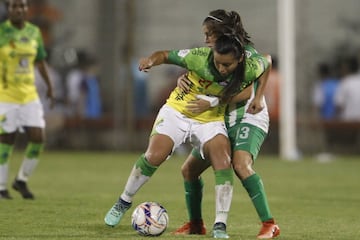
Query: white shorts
[(14, 117), (181, 128)]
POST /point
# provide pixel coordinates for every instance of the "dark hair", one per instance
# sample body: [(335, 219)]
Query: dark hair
[(222, 22), (225, 45)]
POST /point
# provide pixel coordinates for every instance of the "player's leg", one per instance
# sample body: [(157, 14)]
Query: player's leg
[(165, 137), (31, 117), (32, 153), (8, 128), (191, 170), (245, 150), (216, 148), (6, 146)]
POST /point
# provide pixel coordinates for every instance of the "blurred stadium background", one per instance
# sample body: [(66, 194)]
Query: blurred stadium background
[(118, 32)]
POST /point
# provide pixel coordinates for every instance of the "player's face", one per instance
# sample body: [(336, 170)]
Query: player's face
[(17, 11), (210, 37), (226, 63)]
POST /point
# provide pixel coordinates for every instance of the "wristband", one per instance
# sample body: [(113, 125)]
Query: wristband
[(214, 101)]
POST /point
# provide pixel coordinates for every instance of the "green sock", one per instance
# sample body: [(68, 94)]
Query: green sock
[(5, 152), (256, 191), (224, 176), (33, 150), (146, 168), (193, 198)]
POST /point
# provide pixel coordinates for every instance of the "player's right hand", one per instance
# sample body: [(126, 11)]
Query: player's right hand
[(145, 64), (184, 83)]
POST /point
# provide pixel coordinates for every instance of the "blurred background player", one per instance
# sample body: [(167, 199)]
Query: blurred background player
[(21, 47)]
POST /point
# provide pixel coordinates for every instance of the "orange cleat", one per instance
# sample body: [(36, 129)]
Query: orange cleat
[(193, 227), (269, 230)]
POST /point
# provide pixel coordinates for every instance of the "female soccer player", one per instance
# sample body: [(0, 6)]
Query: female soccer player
[(221, 73), (21, 46), (247, 128)]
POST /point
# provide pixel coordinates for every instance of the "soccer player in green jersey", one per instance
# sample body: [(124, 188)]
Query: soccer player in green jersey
[(223, 73), (21, 47), (247, 124)]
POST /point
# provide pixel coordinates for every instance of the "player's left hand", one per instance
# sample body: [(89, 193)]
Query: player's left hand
[(255, 106), (198, 106)]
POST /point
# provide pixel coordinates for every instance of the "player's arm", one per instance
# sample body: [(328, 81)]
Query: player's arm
[(157, 58), (243, 95), (256, 104), (42, 67), (203, 102)]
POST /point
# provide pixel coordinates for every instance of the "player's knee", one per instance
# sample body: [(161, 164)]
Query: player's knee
[(155, 158), (243, 169)]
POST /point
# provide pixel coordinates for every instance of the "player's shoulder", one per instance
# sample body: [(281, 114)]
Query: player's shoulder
[(250, 51), (4, 25), (201, 51), (31, 27), (193, 52)]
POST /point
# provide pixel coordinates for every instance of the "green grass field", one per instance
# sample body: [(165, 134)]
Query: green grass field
[(74, 190)]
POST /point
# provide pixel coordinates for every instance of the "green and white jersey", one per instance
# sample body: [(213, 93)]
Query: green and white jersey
[(257, 64), (19, 49), (205, 80)]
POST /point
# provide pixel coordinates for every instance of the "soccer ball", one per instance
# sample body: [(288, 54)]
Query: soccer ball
[(150, 219)]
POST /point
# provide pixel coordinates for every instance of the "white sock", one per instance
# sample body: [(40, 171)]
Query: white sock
[(223, 197), (4, 172), (134, 183), (27, 168)]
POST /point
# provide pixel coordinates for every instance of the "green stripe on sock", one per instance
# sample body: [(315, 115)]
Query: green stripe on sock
[(5, 152), (146, 168), (33, 150), (224, 176)]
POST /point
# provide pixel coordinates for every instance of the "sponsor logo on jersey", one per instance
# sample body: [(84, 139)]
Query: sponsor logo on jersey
[(183, 53), (199, 52)]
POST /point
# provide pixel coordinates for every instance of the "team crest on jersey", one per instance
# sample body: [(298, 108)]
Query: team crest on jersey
[(248, 53), (24, 39), (24, 63), (183, 53)]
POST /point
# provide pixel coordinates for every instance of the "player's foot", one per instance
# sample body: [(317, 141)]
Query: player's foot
[(115, 213), (4, 194), (192, 227), (219, 231), (22, 188), (269, 230)]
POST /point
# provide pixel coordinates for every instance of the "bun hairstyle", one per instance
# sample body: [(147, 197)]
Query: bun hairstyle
[(221, 22)]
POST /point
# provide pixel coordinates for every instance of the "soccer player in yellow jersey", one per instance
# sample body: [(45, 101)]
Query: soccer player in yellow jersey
[(21, 50)]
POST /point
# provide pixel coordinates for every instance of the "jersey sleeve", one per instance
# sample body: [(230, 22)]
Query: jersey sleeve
[(192, 59), (255, 66), (41, 52)]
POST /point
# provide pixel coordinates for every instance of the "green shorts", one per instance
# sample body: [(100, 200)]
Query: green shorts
[(246, 137)]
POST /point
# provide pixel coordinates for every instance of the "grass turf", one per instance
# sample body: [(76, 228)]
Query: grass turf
[(74, 190)]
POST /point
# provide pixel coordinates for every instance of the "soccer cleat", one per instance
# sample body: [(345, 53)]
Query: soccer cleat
[(219, 230), (193, 227), (116, 212), (269, 230), (22, 188), (4, 194)]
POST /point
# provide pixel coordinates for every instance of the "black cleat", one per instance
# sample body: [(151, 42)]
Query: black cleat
[(4, 194), (22, 188)]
